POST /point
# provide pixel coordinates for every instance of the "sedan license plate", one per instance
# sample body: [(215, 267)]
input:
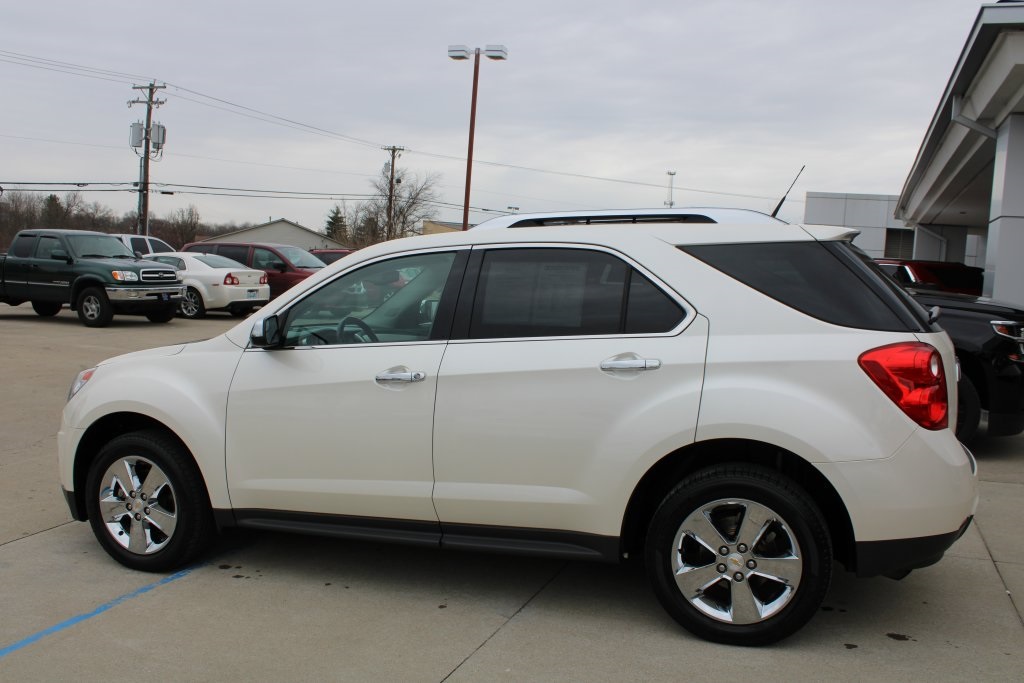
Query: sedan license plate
[(250, 294)]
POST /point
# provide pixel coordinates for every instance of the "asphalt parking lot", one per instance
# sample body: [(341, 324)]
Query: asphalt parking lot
[(271, 607)]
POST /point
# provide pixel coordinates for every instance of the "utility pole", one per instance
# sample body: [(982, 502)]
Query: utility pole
[(395, 153), (150, 102)]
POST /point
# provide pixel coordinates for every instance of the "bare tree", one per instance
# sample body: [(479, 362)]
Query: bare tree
[(183, 225), (413, 200)]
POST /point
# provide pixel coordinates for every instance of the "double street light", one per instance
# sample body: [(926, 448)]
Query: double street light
[(460, 52)]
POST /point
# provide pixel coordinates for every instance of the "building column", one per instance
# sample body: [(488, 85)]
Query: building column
[(1004, 256)]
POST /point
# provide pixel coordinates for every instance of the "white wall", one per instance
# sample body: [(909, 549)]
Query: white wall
[(872, 214)]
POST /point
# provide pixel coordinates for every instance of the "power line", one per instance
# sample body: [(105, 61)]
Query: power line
[(238, 109)]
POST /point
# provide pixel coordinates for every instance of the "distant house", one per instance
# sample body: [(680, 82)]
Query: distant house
[(435, 227), (281, 231)]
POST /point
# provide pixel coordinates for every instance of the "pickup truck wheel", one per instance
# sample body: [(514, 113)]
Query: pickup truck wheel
[(164, 315), (968, 414), (146, 502), (192, 304), (739, 554), (46, 309), (94, 309)]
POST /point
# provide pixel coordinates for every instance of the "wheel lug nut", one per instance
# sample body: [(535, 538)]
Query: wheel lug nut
[(742, 547), (131, 494), (146, 510), (143, 496), (738, 576), (138, 517), (751, 564), (721, 568), (724, 550), (128, 506)]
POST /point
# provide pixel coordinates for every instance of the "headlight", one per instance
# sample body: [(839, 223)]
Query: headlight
[(83, 377), (124, 275)]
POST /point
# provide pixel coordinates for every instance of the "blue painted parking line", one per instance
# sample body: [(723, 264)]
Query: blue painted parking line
[(25, 642)]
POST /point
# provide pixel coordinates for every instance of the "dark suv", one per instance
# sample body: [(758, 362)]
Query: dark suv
[(284, 264), (989, 340)]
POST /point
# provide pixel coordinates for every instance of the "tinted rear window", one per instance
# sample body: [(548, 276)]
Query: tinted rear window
[(823, 280)]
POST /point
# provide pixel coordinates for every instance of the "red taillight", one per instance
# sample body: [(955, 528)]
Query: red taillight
[(263, 278), (230, 279), (911, 374)]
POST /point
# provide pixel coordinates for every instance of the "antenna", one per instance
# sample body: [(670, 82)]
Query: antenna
[(776, 211)]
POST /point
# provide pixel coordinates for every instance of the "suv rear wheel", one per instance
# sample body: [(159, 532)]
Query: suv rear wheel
[(739, 554)]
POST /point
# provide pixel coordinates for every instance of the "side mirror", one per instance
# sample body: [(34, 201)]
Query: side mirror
[(60, 255), (279, 265), (266, 333)]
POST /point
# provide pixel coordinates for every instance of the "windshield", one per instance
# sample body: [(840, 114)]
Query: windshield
[(301, 258), (98, 246)]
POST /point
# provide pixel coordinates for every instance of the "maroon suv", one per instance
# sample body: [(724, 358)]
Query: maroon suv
[(284, 264), (945, 276)]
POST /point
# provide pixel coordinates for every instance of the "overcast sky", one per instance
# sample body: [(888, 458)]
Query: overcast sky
[(596, 102)]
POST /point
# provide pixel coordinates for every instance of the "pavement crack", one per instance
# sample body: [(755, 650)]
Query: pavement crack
[(558, 572), (35, 533), (999, 573)]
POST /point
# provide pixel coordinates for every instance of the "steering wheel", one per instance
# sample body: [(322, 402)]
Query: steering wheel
[(363, 327)]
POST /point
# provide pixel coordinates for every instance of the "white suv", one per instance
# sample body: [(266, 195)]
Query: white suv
[(737, 404)]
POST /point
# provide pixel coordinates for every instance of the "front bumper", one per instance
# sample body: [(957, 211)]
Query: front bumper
[(161, 294)]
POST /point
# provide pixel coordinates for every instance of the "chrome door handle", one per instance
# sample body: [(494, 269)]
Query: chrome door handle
[(390, 376), (631, 364)]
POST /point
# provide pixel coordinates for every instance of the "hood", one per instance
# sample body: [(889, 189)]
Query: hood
[(122, 263), (967, 302)]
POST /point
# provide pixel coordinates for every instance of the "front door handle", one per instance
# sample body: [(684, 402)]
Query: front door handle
[(631, 364), (389, 376)]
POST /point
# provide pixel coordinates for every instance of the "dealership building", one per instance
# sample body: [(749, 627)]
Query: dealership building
[(964, 197)]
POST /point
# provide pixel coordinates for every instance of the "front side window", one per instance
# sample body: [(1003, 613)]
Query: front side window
[(46, 246), (389, 301), (566, 292)]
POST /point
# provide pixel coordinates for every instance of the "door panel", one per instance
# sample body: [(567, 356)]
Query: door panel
[(49, 279), (312, 430), (535, 434)]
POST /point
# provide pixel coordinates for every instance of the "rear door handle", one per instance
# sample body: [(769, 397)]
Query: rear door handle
[(631, 364)]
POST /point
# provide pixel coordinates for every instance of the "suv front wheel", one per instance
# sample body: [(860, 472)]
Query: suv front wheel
[(739, 554)]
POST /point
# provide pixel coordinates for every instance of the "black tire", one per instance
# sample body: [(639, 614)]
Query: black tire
[(773, 575), (168, 533), (192, 305), (94, 309), (968, 414), (46, 309), (164, 315)]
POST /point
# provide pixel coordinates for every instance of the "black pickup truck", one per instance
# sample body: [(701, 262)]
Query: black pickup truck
[(92, 272), (989, 340)]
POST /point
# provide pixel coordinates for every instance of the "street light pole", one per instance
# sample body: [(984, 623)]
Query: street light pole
[(460, 52)]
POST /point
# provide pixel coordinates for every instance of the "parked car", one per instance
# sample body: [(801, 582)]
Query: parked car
[(213, 282), (284, 264), (738, 405), (946, 276), (143, 244), (329, 256), (988, 337), (91, 272)]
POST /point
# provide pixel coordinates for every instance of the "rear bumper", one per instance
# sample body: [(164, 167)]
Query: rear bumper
[(896, 558)]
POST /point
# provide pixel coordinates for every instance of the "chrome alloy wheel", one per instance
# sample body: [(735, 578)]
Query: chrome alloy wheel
[(190, 303), (91, 306), (138, 505), (736, 561)]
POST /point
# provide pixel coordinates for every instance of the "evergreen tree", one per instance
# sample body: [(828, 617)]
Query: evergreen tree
[(336, 226)]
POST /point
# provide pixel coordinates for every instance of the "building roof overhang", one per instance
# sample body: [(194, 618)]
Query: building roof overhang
[(950, 182)]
